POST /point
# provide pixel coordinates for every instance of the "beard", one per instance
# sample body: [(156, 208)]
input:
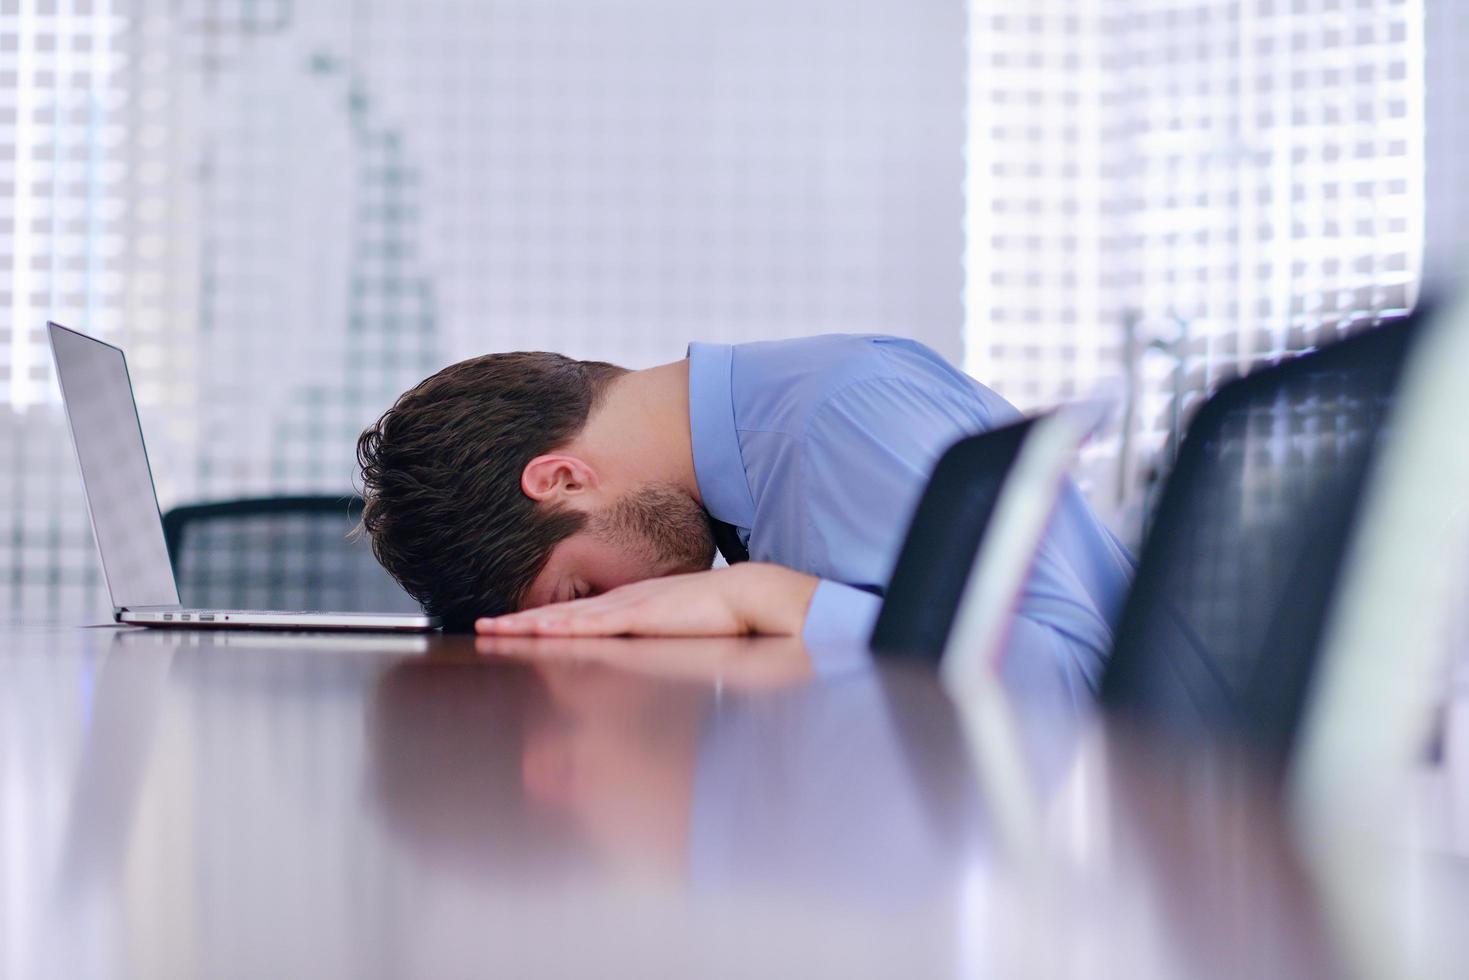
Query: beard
[(659, 524)]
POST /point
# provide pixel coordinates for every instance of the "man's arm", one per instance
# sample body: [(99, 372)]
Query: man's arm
[(751, 597), (840, 615)]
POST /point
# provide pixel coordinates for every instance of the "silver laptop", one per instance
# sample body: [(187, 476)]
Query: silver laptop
[(124, 507)]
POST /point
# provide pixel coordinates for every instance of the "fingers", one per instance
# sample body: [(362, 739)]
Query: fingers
[(590, 623), (599, 616)]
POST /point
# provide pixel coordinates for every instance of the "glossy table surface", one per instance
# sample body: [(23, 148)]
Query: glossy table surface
[(258, 804)]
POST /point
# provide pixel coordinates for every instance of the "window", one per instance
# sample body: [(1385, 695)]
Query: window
[(1247, 182)]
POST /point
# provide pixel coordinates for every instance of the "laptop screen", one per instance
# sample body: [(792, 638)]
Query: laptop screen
[(119, 484)]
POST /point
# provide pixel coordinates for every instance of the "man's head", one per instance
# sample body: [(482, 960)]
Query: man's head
[(481, 497)]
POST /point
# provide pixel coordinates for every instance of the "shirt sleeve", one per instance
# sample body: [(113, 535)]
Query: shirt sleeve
[(838, 625)]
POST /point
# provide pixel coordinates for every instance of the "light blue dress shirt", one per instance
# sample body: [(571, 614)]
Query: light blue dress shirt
[(817, 451)]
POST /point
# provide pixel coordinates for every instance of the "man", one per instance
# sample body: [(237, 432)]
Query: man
[(559, 497)]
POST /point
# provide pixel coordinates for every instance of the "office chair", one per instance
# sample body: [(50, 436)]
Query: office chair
[(929, 578), (957, 585), (278, 553), (1220, 635)]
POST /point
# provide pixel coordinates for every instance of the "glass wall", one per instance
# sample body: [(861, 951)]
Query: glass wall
[(1161, 194), (289, 212)]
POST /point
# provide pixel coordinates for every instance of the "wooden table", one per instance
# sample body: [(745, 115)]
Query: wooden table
[(182, 804)]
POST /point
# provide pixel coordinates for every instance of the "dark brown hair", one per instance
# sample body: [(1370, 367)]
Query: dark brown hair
[(441, 478)]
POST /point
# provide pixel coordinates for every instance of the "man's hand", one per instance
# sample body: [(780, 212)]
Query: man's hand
[(750, 597)]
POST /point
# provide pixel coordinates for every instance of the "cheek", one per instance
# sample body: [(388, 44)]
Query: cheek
[(614, 567)]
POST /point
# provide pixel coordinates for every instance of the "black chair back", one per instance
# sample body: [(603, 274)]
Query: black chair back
[(1220, 633), (928, 580), (294, 553)]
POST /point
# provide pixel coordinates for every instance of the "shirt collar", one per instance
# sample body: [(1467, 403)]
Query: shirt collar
[(718, 465)]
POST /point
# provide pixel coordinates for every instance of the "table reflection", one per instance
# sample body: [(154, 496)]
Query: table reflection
[(725, 765), (184, 804)]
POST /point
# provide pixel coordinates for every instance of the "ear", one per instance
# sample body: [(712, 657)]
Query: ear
[(555, 478)]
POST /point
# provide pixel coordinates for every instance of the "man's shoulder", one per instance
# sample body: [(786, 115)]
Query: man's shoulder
[(779, 384), (833, 360), (832, 348)]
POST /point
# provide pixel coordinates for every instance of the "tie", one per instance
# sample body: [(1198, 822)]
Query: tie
[(728, 540)]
